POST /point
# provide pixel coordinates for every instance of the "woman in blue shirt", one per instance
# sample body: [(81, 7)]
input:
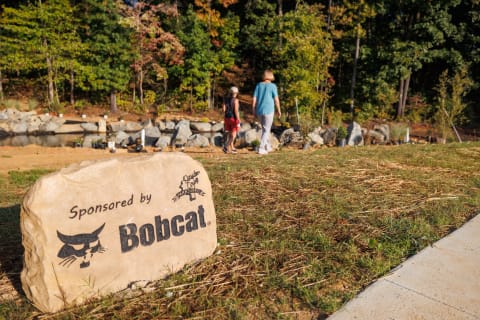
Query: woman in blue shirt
[(265, 99)]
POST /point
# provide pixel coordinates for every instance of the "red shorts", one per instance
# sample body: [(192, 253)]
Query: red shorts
[(231, 124)]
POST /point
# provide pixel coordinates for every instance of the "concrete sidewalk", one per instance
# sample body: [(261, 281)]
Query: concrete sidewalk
[(442, 282)]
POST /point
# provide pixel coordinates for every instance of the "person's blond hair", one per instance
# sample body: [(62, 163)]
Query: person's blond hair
[(268, 75)]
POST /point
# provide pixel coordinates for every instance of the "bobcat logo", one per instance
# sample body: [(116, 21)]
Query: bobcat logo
[(82, 245), (188, 187)]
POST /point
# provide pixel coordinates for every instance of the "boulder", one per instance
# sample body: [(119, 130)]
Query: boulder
[(292, 138), (182, 133), (164, 141), (97, 227), (18, 127), (89, 127), (355, 137), (131, 126), (201, 126), (197, 140), (51, 125), (70, 128), (102, 126), (217, 139), (217, 127)]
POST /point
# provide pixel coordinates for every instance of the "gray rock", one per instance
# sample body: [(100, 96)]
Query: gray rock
[(89, 127), (197, 140), (131, 126), (217, 127), (383, 129), (3, 115), (252, 135), (355, 137), (291, 137), (217, 139), (18, 127), (52, 125), (329, 136), (118, 126), (122, 138), (201, 126), (164, 141), (161, 125), (70, 128), (4, 129), (34, 123), (315, 138), (375, 137), (169, 125), (182, 133), (90, 139), (102, 125), (152, 132)]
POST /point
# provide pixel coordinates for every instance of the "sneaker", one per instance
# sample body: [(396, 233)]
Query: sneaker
[(225, 150), (262, 151), (234, 150)]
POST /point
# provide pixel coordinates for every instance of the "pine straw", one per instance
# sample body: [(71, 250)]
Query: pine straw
[(300, 233)]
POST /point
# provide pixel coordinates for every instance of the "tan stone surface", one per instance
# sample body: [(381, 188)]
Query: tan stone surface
[(134, 199)]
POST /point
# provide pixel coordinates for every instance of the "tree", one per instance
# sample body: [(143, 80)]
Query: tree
[(306, 55), (155, 48), (260, 34), (110, 54), (43, 38), (450, 106), (416, 33)]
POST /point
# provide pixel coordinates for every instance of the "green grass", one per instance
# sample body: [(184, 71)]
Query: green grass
[(299, 232)]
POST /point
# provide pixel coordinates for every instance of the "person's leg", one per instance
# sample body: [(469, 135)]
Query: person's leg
[(266, 121), (232, 141)]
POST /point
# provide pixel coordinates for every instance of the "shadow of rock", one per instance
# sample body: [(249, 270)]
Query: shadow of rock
[(11, 251)]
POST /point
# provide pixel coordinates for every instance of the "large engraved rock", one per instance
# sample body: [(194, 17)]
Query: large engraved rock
[(96, 227)]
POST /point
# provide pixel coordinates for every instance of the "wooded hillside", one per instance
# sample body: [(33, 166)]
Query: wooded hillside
[(410, 60)]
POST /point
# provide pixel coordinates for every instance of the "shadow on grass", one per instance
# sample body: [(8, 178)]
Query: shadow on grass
[(11, 249)]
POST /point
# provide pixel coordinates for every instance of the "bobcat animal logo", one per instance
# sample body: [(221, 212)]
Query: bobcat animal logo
[(81, 246), (188, 187)]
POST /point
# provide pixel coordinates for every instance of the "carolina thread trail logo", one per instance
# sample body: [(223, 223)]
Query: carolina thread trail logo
[(82, 245), (188, 187)]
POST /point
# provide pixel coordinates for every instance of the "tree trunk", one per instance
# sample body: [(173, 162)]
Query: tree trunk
[(51, 95), (72, 88), (403, 95), (354, 76), (113, 102), (140, 86), (400, 98), (1, 86)]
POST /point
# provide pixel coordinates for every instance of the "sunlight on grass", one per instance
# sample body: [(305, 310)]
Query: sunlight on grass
[(299, 231)]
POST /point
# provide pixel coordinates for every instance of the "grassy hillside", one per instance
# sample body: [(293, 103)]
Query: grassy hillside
[(299, 232)]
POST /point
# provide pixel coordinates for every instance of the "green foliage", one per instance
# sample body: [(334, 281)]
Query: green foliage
[(398, 132), (11, 104), (24, 179), (108, 41), (341, 133), (334, 118), (450, 106), (305, 58), (32, 104), (41, 38)]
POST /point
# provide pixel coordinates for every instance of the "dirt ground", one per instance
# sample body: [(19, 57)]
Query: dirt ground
[(38, 157)]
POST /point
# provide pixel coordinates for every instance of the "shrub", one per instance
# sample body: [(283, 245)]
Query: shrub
[(341, 133)]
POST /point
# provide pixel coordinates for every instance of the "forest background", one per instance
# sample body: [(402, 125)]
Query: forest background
[(409, 60)]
